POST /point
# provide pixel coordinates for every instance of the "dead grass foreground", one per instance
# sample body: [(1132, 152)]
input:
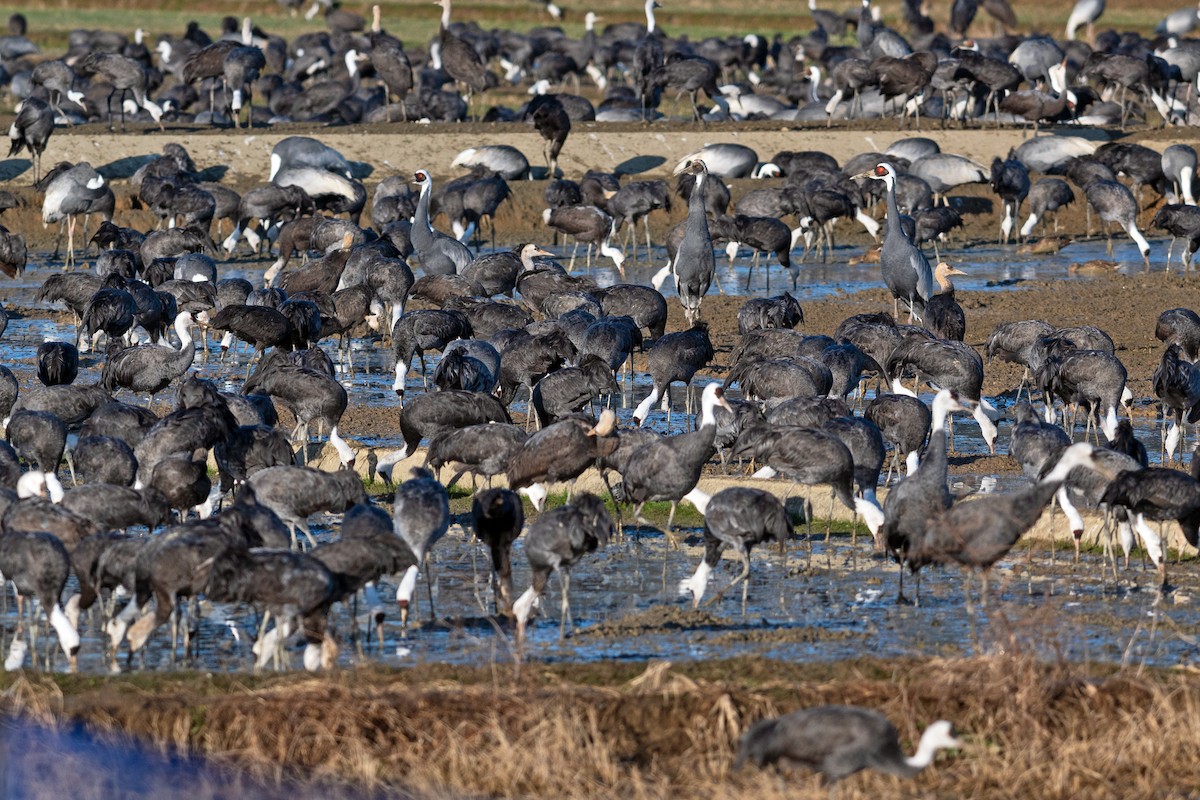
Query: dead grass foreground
[(600, 731)]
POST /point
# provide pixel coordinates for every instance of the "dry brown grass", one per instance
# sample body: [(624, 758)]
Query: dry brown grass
[(1033, 729)]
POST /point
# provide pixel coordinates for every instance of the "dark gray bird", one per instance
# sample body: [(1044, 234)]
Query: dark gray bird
[(556, 541), (39, 437), (1180, 326), (978, 533), (838, 741), (1116, 204), (240, 69), (311, 395), (479, 449), (38, 565), (739, 517), (1010, 180), (694, 265), (435, 412), (58, 363), (1176, 384), (296, 493), (31, 129), (947, 364), (420, 516), (150, 368), (125, 76), (1090, 378), (904, 422), (675, 357), (910, 505), (1182, 222), (669, 468), (499, 517), (568, 390), (781, 311), (1047, 196), (560, 452), (905, 269), (1016, 342), (1157, 494), (553, 124), (418, 331)]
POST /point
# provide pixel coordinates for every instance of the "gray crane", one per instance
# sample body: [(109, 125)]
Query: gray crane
[(905, 268), (440, 254), (1085, 12), (977, 534), (421, 516), (669, 468), (911, 503), (556, 541), (1114, 202), (838, 741), (738, 517), (694, 266), (125, 76)]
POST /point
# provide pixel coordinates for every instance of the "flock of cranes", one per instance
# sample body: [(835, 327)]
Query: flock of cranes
[(788, 400)]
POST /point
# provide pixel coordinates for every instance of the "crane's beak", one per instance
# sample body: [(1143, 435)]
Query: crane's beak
[(682, 168), (862, 175), (541, 252)]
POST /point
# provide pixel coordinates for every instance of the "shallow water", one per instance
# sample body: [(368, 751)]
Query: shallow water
[(625, 599)]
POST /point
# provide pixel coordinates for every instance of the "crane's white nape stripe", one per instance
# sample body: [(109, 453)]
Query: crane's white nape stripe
[(16, 654), (699, 499), (696, 584), (68, 637)]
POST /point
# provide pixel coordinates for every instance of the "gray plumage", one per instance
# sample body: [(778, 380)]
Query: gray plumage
[(296, 493), (695, 264), (479, 449), (498, 519), (439, 254), (740, 517), (838, 741), (905, 269), (39, 437)]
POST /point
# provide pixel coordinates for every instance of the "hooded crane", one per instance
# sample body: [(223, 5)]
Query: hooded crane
[(694, 266), (420, 516), (1114, 202), (556, 541), (675, 356), (739, 517), (498, 519), (70, 190), (947, 364), (1157, 494), (1177, 386), (838, 741), (31, 129), (150, 368), (905, 268), (125, 76), (560, 452), (296, 493), (669, 468), (978, 533), (909, 506)]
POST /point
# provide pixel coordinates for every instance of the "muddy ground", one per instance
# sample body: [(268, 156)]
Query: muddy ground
[(600, 730)]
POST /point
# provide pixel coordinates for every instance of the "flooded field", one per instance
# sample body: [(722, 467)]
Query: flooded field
[(836, 603)]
